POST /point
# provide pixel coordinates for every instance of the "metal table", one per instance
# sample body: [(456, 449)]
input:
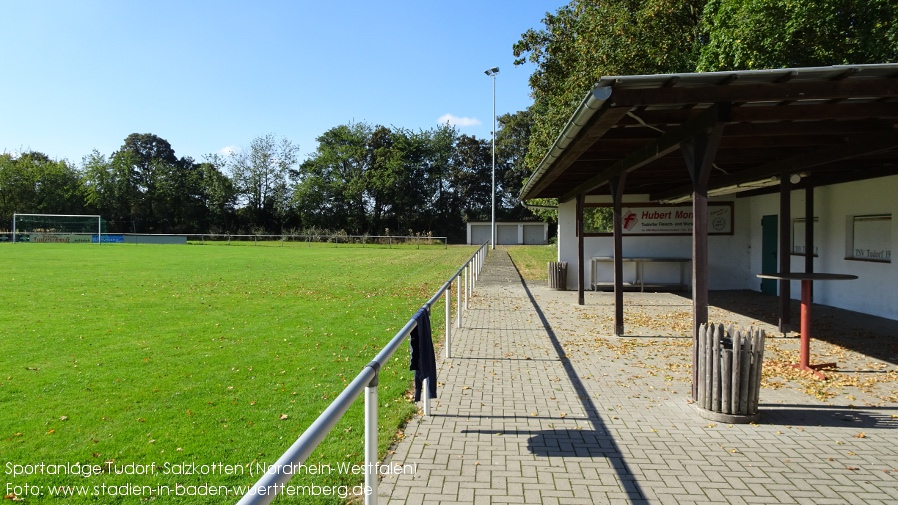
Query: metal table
[(806, 280)]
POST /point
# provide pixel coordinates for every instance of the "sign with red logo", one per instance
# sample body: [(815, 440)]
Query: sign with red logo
[(671, 219), (630, 220)]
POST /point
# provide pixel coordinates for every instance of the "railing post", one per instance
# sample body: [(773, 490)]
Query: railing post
[(474, 275), (458, 301), (467, 283), (371, 476), (476, 266), (448, 296), (425, 396)]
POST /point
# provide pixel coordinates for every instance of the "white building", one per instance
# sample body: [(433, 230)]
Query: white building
[(842, 214), (509, 232)]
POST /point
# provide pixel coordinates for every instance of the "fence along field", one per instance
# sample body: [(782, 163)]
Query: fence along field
[(190, 362)]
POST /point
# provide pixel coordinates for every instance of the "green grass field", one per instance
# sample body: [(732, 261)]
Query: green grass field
[(531, 260), (120, 355)]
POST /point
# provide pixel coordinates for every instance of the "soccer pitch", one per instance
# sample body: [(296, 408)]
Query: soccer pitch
[(177, 373)]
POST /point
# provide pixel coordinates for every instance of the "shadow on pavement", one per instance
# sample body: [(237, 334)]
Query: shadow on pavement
[(587, 443), (876, 337), (829, 415)]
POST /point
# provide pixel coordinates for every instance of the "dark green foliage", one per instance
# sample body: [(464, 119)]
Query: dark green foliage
[(750, 34), (376, 180), (261, 179), (362, 179), (144, 188), (33, 183), (588, 39)]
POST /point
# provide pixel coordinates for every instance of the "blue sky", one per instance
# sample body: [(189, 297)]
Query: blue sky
[(213, 75)]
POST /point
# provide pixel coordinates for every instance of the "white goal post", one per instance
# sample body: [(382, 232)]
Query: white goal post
[(57, 228)]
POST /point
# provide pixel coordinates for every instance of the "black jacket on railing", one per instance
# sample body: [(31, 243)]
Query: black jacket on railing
[(423, 360)]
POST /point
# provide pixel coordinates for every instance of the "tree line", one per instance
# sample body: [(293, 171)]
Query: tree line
[(361, 179)]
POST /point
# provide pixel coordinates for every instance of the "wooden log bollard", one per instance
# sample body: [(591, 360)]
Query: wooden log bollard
[(558, 275), (729, 373)]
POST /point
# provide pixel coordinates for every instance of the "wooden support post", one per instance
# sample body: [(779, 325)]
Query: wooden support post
[(580, 295), (617, 194), (699, 153), (699, 257), (785, 246)]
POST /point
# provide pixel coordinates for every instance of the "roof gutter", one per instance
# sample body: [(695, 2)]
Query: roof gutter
[(585, 111), (533, 206)]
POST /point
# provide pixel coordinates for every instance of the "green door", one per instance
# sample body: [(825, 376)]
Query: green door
[(769, 264)]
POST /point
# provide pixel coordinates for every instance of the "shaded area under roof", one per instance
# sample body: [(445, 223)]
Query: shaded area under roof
[(828, 124)]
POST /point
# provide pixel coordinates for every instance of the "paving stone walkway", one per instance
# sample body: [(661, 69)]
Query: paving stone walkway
[(527, 413)]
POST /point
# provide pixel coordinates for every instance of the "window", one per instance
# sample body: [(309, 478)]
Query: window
[(870, 238), (798, 243)]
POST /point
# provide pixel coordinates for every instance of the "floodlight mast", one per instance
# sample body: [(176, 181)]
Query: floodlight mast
[(492, 73)]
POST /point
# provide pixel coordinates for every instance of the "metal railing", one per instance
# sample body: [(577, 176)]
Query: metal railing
[(279, 473)]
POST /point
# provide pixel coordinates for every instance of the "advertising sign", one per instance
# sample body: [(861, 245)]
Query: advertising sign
[(651, 219)]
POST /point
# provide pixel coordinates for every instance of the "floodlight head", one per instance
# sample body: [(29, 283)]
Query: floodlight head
[(492, 71)]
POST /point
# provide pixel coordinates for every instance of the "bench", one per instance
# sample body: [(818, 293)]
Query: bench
[(640, 277)]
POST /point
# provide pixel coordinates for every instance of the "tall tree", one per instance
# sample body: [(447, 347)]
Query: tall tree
[(587, 39), (392, 180), (218, 194), (262, 177), (111, 190), (33, 183), (146, 158), (144, 187), (441, 144), (472, 178), (512, 143), (179, 199), (331, 188), (750, 34)]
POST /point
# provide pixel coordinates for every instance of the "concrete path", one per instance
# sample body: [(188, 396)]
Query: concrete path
[(536, 407)]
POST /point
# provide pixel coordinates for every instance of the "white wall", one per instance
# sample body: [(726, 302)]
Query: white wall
[(876, 289), (735, 260)]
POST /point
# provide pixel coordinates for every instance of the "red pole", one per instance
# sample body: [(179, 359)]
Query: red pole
[(804, 360)]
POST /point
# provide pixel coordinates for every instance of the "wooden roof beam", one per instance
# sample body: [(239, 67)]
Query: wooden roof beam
[(595, 128), (665, 144), (855, 146)]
